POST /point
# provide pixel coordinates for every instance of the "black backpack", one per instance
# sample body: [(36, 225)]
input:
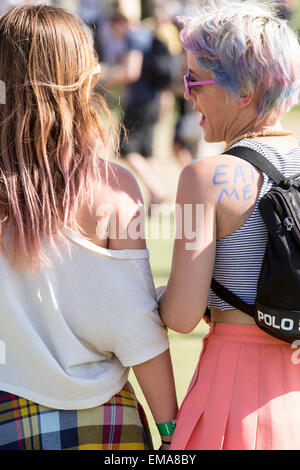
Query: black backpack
[(277, 305), (159, 67)]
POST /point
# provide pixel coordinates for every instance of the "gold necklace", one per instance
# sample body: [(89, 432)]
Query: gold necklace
[(257, 134)]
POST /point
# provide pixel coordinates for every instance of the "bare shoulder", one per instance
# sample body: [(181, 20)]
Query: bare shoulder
[(197, 179), (116, 201), (118, 187), (120, 182), (219, 178), (126, 217), (225, 183)]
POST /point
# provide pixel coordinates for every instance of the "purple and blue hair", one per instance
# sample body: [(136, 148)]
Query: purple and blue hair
[(247, 48)]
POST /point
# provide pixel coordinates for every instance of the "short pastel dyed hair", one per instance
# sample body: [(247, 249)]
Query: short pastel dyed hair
[(247, 48)]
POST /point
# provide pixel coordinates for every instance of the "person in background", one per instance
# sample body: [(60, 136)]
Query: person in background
[(77, 304), (5, 4), (243, 75), (161, 23), (70, 5), (113, 39), (132, 10), (141, 105), (188, 134), (93, 13), (90, 11), (285, 8)]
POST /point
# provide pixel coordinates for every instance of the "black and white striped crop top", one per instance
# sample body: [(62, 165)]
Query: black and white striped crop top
[(239, 256)]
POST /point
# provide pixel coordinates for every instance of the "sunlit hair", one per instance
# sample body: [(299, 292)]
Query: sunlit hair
[(247, 48), (52, 134)]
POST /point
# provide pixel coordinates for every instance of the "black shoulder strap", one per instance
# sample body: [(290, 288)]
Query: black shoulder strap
[(231, 298), (258, 160)]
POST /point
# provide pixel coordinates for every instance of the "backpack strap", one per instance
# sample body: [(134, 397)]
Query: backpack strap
[(258, 160), (231, 298)]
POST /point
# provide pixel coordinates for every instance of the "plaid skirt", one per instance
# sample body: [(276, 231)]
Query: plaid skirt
[(119, 424)]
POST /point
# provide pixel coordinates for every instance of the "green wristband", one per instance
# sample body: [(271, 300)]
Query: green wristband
[(166, 429)]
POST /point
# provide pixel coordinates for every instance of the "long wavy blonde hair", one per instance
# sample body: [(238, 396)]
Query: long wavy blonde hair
[(52, 136)]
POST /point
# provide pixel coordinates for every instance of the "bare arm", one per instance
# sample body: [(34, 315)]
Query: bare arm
[(156, 380), (227, 188), (155, 376), (185, 299)]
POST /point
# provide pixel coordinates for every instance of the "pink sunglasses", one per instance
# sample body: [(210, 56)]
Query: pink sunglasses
[(189, 84)]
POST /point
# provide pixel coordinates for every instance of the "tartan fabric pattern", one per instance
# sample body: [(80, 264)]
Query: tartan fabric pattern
[(119, 424)]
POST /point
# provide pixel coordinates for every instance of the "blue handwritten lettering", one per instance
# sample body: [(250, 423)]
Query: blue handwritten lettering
[(218, 174), (239, 173), (246, 192), (233, 192)]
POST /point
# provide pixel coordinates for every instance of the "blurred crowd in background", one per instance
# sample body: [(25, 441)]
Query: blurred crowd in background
[(121, 28)]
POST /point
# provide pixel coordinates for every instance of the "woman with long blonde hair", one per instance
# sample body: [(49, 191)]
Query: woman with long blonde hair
[(77, 305)]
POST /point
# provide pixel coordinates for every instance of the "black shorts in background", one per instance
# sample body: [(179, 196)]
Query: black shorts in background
[(139, 121)]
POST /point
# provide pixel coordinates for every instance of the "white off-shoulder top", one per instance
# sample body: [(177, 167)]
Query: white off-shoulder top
[(70, 332)]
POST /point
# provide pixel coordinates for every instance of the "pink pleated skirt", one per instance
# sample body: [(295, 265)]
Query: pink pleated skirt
[(245, 393)]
